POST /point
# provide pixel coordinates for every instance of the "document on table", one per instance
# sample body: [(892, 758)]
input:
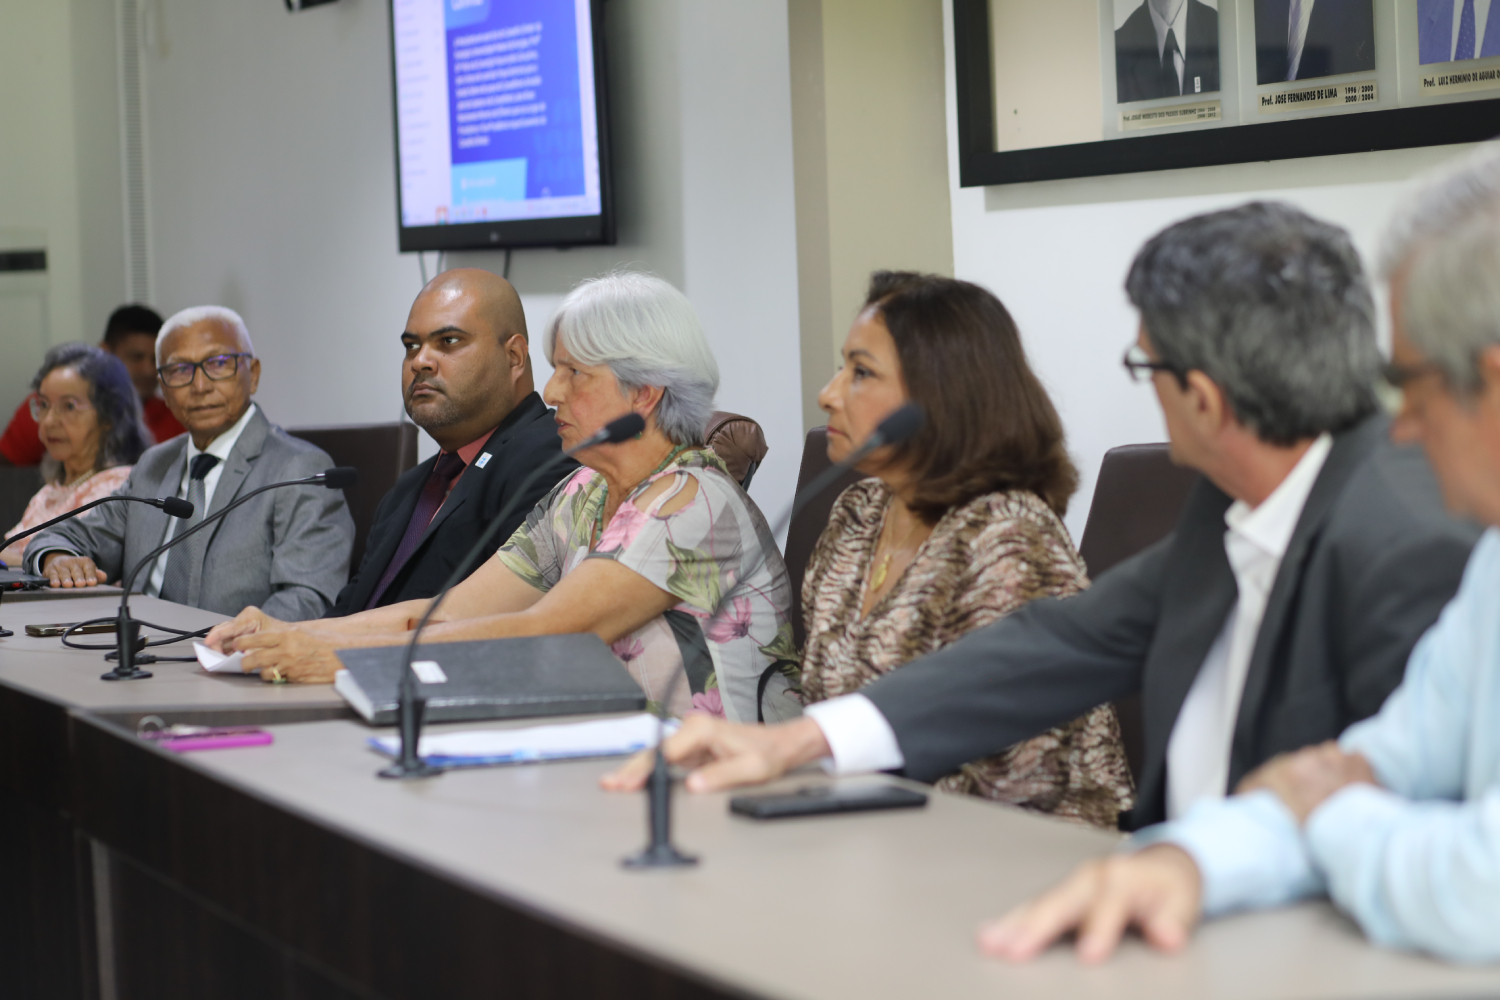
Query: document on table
[(563, 741), (217, 663)]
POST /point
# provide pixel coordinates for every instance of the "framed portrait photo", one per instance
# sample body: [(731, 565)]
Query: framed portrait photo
[(1074, 88)]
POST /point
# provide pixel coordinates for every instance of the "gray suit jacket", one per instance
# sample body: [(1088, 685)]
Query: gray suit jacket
[(1372, 561), (286, 551)]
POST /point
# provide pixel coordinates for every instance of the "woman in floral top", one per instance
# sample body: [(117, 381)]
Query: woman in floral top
[(651, 546), (88, 416), (955, 529)]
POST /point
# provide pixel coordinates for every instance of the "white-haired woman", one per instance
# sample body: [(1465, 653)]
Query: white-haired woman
[(651, 545)]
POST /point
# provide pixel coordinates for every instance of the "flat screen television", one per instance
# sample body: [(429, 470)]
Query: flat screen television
[(502, 135)]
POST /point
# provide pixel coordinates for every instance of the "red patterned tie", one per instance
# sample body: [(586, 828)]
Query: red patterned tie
[(448, 466)]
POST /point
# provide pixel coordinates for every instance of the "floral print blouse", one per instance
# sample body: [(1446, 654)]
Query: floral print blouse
[(715, 555), (983, 560)]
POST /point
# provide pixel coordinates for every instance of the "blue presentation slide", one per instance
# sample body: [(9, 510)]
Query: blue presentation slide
[(513, 99)]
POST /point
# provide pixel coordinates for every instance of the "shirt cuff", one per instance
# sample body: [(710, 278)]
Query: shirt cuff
[(1248, 850), (860, 737)]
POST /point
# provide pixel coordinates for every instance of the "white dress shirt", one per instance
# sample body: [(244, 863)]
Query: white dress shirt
[(862, 740), (1178, 26), (1198, 751), (219, 447)]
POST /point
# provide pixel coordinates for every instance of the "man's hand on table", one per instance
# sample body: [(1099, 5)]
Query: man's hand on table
[(727, 754), (1156, 890), (1305, 779), (63, 570)]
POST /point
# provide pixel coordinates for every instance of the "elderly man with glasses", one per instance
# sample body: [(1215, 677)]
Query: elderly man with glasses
[(286, 549), (1306, 563)]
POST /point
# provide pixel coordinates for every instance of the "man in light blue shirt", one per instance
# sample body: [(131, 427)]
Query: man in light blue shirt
[(1399, 821)]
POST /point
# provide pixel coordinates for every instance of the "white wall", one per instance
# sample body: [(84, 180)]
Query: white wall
[(1056, 253), (273, 192)]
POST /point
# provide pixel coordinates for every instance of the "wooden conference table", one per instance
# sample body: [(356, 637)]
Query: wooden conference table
[(292, 871)]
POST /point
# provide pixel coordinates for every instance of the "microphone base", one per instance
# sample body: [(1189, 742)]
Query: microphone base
[(659, 856), (418, 769), (6, 633), (119, 675)]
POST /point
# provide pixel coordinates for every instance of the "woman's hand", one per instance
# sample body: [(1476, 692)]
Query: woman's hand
[(222, 637), (289, 656)]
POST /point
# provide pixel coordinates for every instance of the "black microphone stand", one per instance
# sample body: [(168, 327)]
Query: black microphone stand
[(175, 506), (127, 629), (410, 704), (659, 851)]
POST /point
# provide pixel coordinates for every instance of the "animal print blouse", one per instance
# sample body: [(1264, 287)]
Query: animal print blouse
[(982, 561)]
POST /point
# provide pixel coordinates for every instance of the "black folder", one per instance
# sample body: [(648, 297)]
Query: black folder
[(494, 679)]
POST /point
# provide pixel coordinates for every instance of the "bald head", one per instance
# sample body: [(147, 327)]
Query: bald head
[(467, 361), (490, 298)]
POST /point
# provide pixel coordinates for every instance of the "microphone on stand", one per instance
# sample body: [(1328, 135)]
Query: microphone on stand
[(659, 851), (127, 630), (175, 506), (410, 704)]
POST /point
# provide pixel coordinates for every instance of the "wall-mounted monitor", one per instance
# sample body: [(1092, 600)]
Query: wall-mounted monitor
[(502, 135)]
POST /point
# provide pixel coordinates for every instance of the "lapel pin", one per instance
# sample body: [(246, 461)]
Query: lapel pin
[(482, 460)]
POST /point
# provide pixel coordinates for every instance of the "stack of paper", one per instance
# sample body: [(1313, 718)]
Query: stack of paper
[(568, 741)]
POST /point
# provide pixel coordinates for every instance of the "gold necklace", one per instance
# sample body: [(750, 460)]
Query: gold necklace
[(877, 579)]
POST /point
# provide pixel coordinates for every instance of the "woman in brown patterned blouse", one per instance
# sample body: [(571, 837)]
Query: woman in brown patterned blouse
[(956, 528)]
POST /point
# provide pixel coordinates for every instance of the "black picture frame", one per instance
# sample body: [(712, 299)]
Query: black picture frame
[(979, 164), (515, 234)]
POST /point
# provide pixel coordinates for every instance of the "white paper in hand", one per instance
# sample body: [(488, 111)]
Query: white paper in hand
[(217, 663)]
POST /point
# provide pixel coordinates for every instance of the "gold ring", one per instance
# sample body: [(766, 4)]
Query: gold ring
[(276, 677)]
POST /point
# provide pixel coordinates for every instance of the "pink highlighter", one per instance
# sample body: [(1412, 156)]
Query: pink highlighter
[(182, 739)]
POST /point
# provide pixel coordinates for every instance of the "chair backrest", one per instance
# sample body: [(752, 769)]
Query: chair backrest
[(18, 484), (1137, 500), (739, 441), (381, 453), (802, 534)]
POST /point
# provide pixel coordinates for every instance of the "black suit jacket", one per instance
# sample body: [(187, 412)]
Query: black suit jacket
[(1372, 561), (1138, 67), (1340, 39), (523, 441)]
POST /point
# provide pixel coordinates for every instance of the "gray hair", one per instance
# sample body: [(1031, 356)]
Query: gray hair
[(197, 314), (123, 432), (648, 334), (1447, 238), (1272, 305)]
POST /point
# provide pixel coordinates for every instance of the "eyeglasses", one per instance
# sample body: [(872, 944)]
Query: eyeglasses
[(69, 408), (1140, 367), (218, 368)]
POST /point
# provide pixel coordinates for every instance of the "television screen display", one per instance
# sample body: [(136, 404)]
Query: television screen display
[(501, 136)]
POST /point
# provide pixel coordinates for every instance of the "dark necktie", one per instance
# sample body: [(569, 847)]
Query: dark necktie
[(448, 466), (1172, 86), (176, 582)]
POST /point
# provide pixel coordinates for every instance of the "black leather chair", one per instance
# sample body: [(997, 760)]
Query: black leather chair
[(1137, 500), (381, 453), (802, 534)]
